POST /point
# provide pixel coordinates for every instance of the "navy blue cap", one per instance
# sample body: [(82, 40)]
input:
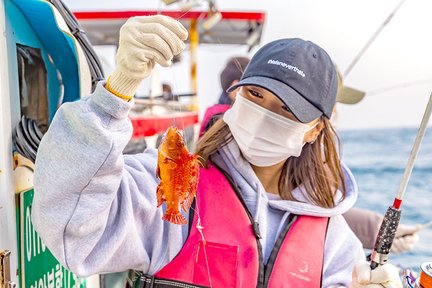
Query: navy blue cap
[(298, 72)]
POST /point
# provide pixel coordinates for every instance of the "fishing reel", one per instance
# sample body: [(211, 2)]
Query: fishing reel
[(27, 137)]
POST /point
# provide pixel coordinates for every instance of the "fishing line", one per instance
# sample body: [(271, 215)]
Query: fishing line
[(399, 86), (236, 62), (238, 65), (176, 95), (181, 16), (221, 49), (372, 39), (177, 99), (200, 228), (198, 225)]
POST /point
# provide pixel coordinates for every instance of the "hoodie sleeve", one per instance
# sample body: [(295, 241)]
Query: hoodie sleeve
[(343, 251), (94, 208)]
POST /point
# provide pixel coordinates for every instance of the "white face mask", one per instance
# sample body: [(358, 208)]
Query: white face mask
[(264, 137)]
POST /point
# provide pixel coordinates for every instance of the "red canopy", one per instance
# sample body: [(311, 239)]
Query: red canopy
[(235, 27)]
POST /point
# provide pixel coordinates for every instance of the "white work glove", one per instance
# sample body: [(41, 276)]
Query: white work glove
[(386, 275), (406, 237), (144, 41)]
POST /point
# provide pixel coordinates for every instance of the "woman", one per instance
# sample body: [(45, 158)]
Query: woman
[(269, 203), (364, 223)]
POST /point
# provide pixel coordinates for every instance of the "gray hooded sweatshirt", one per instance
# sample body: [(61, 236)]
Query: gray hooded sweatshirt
[(95, 208)]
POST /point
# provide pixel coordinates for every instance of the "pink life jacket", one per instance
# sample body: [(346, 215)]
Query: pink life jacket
[(229, 253)]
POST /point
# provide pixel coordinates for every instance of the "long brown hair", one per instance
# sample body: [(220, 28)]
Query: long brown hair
[(318, 167)]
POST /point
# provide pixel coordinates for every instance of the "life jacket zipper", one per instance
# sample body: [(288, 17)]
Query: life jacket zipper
[(255, 228), (268, 268), (264, 272)]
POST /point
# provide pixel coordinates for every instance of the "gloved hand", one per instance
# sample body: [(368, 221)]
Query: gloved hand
[(406, 237), (144, 41), (383, 276)]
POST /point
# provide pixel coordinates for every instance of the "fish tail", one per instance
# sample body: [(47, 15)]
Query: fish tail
[(176, 218)]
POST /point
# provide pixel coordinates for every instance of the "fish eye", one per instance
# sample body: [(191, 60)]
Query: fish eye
[(179, 143)]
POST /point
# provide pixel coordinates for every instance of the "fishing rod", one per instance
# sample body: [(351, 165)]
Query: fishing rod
[(391, 219)]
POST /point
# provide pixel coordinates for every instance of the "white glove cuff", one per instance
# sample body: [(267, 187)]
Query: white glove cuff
[(124, 86)]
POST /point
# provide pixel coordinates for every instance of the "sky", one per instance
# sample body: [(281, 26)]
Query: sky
[(395, 72)]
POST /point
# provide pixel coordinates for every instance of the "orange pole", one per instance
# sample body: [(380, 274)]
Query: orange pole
[(194, 40)]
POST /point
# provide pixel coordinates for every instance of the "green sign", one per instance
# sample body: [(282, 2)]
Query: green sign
[(39, 268)]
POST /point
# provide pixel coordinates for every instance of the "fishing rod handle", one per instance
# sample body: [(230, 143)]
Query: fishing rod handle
[(385, 237)]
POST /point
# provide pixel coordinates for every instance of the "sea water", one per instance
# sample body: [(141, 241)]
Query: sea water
[(377, 158)]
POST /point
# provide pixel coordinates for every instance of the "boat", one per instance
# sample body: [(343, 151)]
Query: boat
[(46, 59)]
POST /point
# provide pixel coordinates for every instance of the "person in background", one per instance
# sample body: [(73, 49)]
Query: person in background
[(270, 196), (366, 223), (167, 93), (229, 76)]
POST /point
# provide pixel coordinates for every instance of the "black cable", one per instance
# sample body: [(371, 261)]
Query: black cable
[(95, 65), (27, 137)]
